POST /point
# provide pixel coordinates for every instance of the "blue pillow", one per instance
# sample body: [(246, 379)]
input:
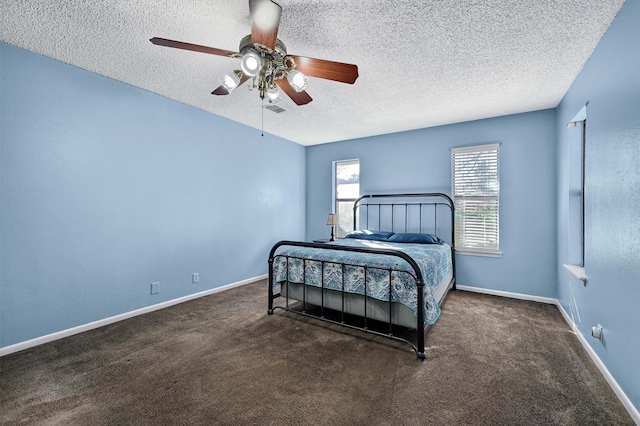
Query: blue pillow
[(415, 238), (367, 234)]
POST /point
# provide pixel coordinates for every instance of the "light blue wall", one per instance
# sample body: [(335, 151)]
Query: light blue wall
[(420, 160), (610, 82), (105, 188)]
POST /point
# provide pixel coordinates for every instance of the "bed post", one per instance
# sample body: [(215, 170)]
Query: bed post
[(270, 285), (420, 328), (452, 206)]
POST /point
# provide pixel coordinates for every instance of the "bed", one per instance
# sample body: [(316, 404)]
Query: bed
[(389, 277)]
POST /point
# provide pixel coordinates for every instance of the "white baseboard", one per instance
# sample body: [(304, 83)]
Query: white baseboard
[(520, 296), (631, 409), (106, 321), (626, 402)]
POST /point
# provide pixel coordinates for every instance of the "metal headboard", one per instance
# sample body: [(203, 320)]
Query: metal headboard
[(387, 211)]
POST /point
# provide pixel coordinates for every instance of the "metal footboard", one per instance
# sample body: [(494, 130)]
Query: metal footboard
[(415, 272)]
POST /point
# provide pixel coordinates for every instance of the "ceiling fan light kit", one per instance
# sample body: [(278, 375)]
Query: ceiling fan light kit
[(263, 57)]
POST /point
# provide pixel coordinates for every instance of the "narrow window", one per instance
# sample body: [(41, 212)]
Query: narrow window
[(476, 194), (576, 187), (347, 190)]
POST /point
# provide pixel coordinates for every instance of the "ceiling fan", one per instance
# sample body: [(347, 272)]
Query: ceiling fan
[(264, 58)]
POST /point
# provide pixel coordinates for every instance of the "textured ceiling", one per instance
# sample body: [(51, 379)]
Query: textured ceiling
[(421, 63)]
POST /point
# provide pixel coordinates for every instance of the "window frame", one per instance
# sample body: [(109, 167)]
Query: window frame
[(487, 199), (336, 200)]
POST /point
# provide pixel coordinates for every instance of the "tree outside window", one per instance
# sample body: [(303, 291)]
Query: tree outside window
[(347, 190)]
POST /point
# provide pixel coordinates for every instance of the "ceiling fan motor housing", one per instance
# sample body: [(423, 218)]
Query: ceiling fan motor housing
[(275, 64)]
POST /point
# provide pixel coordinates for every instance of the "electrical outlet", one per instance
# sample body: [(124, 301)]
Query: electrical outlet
[(596, 332), (195, 277), (155, 288)]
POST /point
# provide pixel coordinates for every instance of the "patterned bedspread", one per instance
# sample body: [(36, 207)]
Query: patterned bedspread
[(434, 261)]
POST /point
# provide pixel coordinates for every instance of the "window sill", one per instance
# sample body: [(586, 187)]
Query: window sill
[(481, 253), (576, 271)]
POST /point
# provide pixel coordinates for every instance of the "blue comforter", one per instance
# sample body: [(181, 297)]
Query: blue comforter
[(434, 261)]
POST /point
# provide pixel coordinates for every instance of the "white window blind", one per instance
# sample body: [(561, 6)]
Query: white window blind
[(476, 195)]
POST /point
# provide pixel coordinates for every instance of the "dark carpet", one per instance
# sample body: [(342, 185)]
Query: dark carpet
[(221, 360)]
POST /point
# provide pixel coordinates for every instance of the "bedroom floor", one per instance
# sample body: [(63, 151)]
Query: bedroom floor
[(222, 360)]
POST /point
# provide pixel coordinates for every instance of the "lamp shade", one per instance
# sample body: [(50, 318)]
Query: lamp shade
[(297, 80), (333, 219), (250, 63), (230, 81), (274, 95)]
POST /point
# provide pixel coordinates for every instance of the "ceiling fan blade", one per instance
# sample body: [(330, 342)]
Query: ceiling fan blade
[(300, 98), (221, 90), (265, 19), (329, 70), (188, 46)]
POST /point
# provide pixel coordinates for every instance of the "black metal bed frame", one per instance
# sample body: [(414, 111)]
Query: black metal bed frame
[(418, 347)]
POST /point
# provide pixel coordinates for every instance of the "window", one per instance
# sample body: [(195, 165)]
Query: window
[(578, 129), (347, 190), (476, 191)]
